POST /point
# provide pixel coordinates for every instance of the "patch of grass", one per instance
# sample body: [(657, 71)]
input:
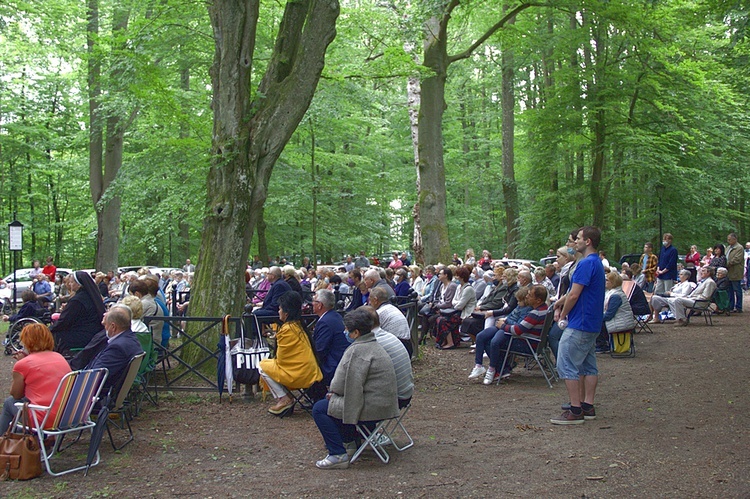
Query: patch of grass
[(105, 492)]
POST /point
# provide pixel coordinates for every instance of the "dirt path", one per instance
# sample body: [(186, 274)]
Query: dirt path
[(671, 422)]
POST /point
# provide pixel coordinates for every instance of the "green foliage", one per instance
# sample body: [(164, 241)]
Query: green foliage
[(669, 78)]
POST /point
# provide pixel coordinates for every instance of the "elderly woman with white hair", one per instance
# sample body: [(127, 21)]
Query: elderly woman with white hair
[(290, 276), (723, 286)]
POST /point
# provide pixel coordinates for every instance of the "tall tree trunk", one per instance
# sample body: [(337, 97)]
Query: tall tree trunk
[(432, 195), (249, 135), (510, 188), (106, 202), (96, 142), (315, 188), (413, 99)]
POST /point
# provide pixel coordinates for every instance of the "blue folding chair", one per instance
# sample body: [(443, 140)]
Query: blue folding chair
[(74, 399)]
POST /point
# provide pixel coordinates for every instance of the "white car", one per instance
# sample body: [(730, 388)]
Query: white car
[(22, 282)]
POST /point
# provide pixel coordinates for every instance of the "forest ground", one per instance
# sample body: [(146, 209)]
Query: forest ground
[(671, 422)]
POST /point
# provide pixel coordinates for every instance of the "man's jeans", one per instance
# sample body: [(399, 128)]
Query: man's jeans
[(735, 295)]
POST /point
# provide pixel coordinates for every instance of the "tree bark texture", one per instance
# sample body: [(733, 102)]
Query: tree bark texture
[(432, 195), (431, 198), (250, 131), (413, 102), (510, 187), (106, 201)]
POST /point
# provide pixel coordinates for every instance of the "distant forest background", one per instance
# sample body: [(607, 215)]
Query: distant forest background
[(608, 112)]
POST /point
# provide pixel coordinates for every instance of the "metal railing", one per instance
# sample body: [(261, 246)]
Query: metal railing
[(196, 371)]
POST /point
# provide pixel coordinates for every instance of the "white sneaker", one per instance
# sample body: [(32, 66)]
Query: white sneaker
[(333, 462), (490, 376), (477, 372)]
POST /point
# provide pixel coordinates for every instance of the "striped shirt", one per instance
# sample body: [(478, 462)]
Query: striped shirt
[(401, 362), (533, 323)]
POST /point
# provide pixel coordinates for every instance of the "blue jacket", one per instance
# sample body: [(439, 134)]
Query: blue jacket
[(330, 343), (668, 260), (271, 302), (115, 357)]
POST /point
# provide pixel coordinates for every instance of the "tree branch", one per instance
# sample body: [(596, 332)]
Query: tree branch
[(501, 23)]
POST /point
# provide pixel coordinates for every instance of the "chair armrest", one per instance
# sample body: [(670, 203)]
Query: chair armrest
[(34, 406)]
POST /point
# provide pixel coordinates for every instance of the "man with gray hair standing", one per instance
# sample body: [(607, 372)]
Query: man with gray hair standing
[(328, 337), (735, 268)]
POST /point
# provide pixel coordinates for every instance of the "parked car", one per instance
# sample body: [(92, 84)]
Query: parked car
[(134, 268), (22, 282), (516, 262), (547, 260)]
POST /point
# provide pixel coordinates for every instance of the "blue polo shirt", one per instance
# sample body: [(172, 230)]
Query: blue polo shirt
[(588, 312)]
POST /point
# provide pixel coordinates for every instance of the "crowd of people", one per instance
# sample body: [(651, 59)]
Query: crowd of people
[(359, 353)]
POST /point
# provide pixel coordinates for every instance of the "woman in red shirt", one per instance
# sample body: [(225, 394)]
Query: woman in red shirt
[(37, 373), (692, 262)]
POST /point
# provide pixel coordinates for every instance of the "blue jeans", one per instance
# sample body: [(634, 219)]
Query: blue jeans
[(9, 412), (735, 295), (490, 341), (577, 354), (333, 430), (495, 342), (555, 333)]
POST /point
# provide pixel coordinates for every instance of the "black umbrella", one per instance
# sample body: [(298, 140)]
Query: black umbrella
[(98, 432)]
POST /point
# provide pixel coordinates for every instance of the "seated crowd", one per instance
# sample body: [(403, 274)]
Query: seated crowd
[(361, 362)]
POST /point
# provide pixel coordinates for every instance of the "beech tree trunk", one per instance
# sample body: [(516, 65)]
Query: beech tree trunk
[(413, 100), (103, 170), (250, 131), (431, 194), (510, 187)]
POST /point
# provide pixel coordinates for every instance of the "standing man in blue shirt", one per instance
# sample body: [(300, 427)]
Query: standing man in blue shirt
[(666, 271), (581, 320)]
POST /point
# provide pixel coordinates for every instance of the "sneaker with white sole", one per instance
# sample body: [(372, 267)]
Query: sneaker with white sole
[(477, 372), (490, 376), (568, 418), (339, 462)]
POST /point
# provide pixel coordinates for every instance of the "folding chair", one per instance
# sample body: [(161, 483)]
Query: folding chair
[(305, 398), (619, 339), (538, 349), (74, 398), (639, 305), (121, 407), (702, 306), (373, 439), (721, 299), (141, 390), (392, 426)]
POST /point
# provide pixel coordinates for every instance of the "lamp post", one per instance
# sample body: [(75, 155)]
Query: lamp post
[(660, 194), (15, 244)]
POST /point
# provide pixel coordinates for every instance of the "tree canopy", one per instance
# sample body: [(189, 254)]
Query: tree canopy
[(624, 111)]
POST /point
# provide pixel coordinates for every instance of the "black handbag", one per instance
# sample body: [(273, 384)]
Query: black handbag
[(246, 355), (447, 312)]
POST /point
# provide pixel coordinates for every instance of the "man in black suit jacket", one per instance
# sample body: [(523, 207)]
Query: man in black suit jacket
[(330, 341), (122, 345)]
